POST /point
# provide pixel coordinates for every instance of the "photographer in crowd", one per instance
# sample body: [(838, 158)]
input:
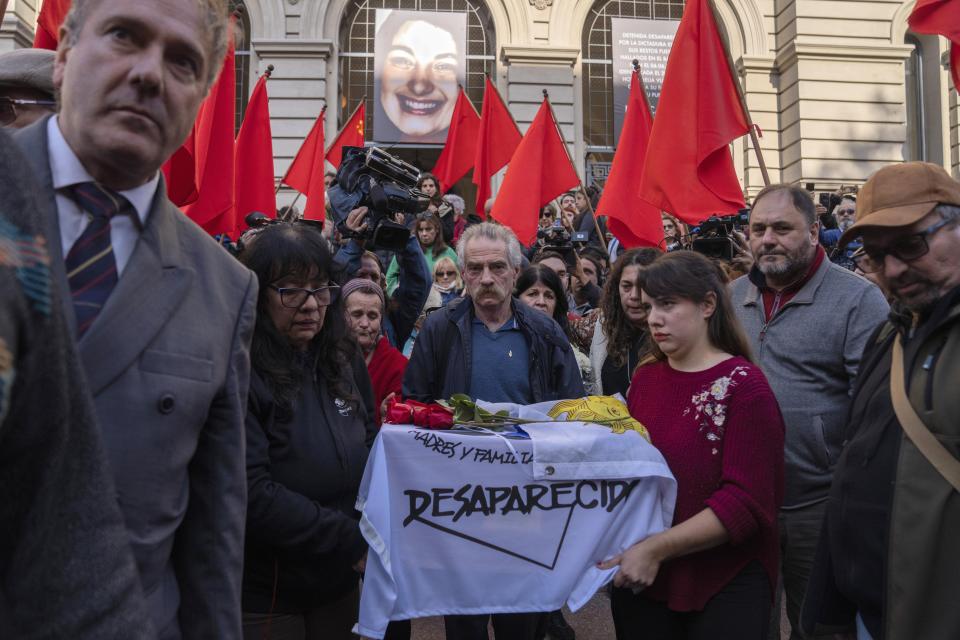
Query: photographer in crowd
[(413, 277), (429, 233)]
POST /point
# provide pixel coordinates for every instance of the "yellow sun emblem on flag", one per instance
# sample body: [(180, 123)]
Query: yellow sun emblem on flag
[(605, 410)]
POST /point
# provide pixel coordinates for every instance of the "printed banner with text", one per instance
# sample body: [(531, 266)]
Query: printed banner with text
[(457, 524), (648, 42)]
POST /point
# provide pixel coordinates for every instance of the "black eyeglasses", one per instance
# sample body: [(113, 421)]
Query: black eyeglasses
[(446, 274), (846, 212), (8, 107), (295, 297), (906, 249)]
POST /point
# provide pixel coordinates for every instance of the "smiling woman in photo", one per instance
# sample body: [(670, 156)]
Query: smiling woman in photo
[(419, 63)]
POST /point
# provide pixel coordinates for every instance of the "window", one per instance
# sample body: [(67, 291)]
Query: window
[(356, 50), (242, 55), (598, 65)]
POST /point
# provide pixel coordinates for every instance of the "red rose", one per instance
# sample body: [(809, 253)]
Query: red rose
[(431, 416), (398, 412), (438, 417)]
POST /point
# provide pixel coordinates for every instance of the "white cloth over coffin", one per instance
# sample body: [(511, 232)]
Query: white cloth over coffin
[(582, 450), (505, 562)]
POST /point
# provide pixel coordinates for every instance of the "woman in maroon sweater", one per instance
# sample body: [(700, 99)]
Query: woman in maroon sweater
[(712, 415)]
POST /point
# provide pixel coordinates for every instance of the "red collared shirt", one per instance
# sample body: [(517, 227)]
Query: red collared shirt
[(774, 300)]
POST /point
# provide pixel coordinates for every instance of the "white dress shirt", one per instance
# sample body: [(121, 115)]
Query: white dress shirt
[(66, 171)]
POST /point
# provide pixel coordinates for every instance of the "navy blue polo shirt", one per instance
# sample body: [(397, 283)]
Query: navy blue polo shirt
[(500, 371)]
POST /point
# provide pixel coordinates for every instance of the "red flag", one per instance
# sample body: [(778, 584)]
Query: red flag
[(350, 136), (689, 170), (539, 171), (941, 17), (213, 148), (306, 171), (48, 23), (634, 222), (253, 168), (460, 148), (497, 140)]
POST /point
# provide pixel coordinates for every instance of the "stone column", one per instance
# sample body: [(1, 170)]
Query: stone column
[(758, 77), (842, 110), (527, 71), (18, 25), (297, 90)]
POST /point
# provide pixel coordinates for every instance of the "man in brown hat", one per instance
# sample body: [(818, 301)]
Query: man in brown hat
[(26, 87), (888, 555)]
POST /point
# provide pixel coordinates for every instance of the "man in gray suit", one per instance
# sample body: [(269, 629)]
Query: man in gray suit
[(162, 315)]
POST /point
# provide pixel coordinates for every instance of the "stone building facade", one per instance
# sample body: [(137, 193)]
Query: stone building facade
[(839, 88)]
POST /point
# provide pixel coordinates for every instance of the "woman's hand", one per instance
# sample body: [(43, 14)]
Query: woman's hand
[(639, 565)]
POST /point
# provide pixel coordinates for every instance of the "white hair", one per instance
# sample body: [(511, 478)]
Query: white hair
[(493, 232), (456, 202)]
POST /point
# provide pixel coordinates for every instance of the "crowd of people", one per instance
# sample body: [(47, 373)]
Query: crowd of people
[(183, 432)]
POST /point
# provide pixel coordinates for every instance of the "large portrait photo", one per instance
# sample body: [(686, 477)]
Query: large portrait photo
[(419, 60)]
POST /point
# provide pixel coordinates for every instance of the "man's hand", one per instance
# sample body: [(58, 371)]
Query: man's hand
[(356, 222)]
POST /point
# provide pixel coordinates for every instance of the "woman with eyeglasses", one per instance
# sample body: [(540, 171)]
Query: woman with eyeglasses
[(310, 422), (430, 235)]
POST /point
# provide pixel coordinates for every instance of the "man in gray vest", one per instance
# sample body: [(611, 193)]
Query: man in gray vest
[(808, 321)]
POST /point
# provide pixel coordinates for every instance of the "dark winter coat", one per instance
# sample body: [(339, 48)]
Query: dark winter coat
[(440, 364)]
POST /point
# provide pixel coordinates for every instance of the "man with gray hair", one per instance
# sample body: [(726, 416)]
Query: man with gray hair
[(491, 347), (807, 320), (161, 315)]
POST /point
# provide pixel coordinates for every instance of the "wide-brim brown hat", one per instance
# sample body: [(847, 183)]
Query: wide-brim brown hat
[(901, 194)]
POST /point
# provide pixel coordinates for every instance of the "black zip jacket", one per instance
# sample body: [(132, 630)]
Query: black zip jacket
[(441, 361), (303, 534)]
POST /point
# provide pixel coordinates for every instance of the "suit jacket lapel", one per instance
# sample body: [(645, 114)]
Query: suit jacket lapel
[(33, 143), (151, 288)]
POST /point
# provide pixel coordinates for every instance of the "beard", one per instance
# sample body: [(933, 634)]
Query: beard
[(793, 263)]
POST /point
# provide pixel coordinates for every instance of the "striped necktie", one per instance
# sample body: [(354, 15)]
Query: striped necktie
[(91, 266)]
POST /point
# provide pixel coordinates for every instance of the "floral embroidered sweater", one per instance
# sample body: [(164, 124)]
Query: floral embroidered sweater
[(721, 432)]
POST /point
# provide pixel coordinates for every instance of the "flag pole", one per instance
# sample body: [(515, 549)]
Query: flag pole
[(743, 99), (295, 200), (596, 225)]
